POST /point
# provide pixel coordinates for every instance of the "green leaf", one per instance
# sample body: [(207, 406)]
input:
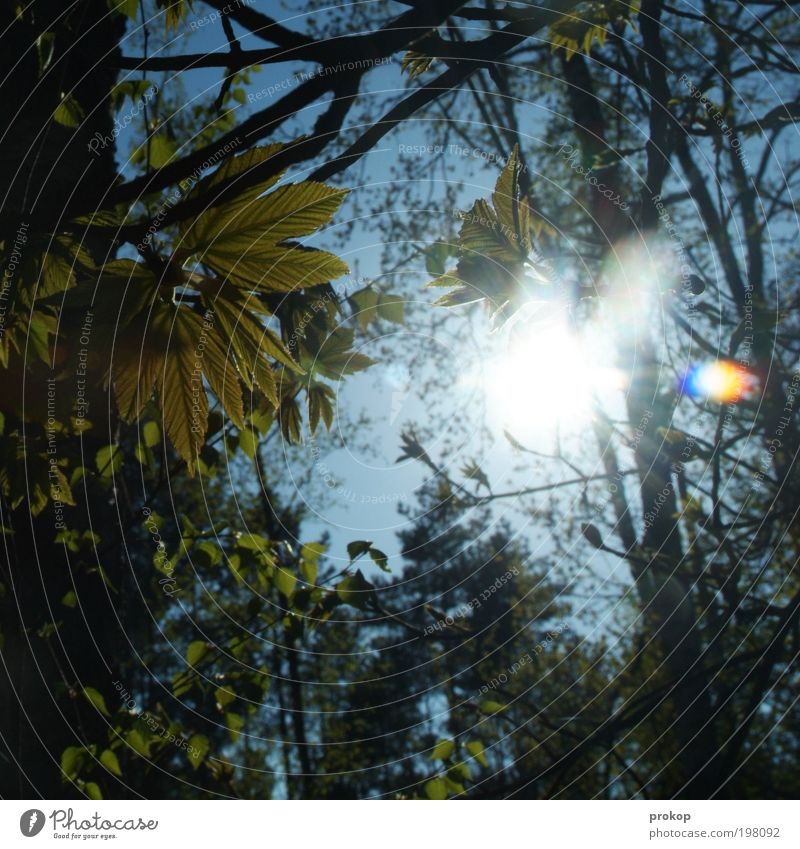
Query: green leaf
[(138, 356), (358, 547), (93, 790), (44, 48), (248, 442), (159, 147), (475, 748), (236, 167), (286, 582), (459, 771), (251, 343), (474, 472), (436, 789), (68, 113), (220, 369), (72, 759), (136, 740), (355, 590), (290, 421), (336, 358), (506, 196), (143, 454), (181, 685), (207, 552), (105, 579), (321, 399), (364, 303), (69, 599), (108, 460), (224, 697), (494, 243), (310, 555), (453, 786), (235, 724), (59, 262), (110, 762), (155, 519), (436, 258), (247, 241), (380, 559), (235, 565), (577, 31), (135, 90), (174, 12), (490, 707), (391, 308), (253, 542), (96, 699), (442, 750), (262, 421), (129, 8), (415, 63), (196, 652), (183, 399), (297, 209), (151, 434), (70, 538), (197, 749)]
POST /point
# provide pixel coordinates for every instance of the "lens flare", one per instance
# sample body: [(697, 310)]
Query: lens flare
[(722, 381)]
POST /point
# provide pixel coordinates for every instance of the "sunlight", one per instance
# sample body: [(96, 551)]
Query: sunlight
[(548, 375)]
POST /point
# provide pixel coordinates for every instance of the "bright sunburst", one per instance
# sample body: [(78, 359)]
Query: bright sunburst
[(547, 375)]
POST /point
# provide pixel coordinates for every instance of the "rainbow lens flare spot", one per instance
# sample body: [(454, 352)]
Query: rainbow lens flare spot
[(722, 381)]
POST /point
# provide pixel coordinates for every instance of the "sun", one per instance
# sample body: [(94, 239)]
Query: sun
[(546, 375)]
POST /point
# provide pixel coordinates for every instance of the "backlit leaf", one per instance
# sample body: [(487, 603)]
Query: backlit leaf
[(475, 748), (96, 698), (72, 759), (436, 789), (286, 582), (197, 749), (247, 240), (108, 460), (310, 555), (110, 762), (93, 790), (442, 750), (196, 652), (68, 113), (183, 399)]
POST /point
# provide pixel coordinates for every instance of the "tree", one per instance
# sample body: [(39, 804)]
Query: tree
[(424, 667)]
